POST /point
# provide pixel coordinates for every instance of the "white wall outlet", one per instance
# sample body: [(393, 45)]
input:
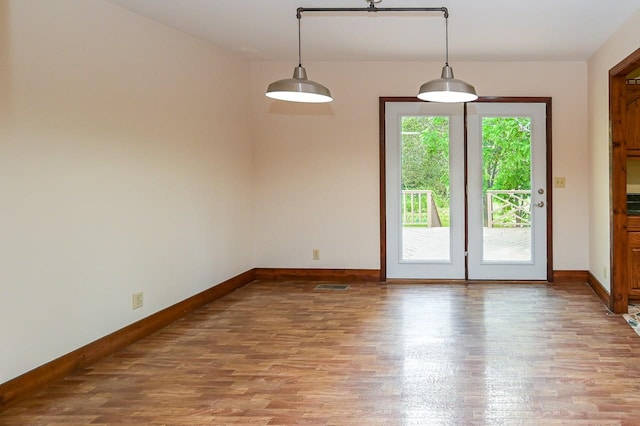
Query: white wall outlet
[(316, 254), (560, 182), (138, 301)]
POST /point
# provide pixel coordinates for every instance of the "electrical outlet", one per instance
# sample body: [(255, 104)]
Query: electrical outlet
[(316, 254), (138, 301), (560, 182)]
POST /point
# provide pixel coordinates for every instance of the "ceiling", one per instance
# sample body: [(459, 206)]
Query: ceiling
[(495, 30)]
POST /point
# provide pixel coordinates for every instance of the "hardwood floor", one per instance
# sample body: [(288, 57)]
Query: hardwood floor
[(375, 354)]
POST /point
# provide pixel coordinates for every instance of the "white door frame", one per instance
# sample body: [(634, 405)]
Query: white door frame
[(478, 267), (397, 267)]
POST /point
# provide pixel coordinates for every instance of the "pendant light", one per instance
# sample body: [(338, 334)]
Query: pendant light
[(447, 88), (299, 88)]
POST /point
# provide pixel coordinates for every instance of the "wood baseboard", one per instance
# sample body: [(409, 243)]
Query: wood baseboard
[(365, 275), (311, 274), (600, 291), (59, 368), (570, 277), (373, 275)]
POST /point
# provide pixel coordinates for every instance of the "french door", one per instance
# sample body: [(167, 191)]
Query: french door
[(468, 206), (425, 226)]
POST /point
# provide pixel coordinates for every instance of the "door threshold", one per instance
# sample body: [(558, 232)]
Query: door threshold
[(451, 281)]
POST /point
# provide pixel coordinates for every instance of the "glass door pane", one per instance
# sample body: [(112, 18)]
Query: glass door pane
[(425, 181), (506, 188)]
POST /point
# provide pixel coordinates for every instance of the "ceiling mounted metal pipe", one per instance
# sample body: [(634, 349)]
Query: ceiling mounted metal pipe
[(372, 8)]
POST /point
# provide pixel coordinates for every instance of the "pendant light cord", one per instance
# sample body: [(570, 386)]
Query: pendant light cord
[(446, 39), (299, 43)]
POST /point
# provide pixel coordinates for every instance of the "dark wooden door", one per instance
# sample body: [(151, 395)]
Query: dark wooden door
[(633, 254), (632, 98), (632, 127)]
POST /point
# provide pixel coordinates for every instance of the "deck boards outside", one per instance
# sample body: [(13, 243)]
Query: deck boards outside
[(422, 243)]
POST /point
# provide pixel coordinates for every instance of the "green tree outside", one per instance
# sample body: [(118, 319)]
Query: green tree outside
[(506, 153), (506, 149), (425, 159)]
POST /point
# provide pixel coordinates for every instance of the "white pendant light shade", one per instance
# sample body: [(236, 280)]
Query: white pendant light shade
[(299, 89), (447, 89)]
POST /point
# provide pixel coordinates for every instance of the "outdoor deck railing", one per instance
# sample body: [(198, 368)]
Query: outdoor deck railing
[(508, 208), (504, 208), (419, 208)]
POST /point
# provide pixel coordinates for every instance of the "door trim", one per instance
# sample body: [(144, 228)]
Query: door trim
[(619, 291), (383, 191)]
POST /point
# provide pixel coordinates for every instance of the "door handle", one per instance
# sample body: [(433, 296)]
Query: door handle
[(540, 204)]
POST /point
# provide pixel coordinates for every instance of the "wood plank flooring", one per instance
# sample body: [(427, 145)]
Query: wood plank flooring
[(375, 354)]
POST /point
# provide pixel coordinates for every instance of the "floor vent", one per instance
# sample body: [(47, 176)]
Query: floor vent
[(331, 287)]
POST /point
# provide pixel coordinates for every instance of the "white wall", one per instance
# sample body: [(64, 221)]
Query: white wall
[(125, 166), (624, 42), (317, 169)]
